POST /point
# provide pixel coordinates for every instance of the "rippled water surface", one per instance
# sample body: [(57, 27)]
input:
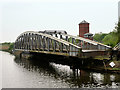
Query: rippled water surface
[(22, 73)]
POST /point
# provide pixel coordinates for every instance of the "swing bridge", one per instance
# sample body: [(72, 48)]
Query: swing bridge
[(56, 42)]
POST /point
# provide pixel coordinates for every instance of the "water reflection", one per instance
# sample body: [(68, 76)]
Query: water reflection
[(73, 77)]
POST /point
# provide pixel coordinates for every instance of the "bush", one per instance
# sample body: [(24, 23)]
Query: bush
[(99, 36), (110, 39), (11, 47)]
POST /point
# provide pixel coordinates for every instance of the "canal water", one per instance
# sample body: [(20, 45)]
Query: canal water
[(23, 73)]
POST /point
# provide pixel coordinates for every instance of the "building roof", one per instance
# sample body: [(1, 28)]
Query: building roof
[(83, 22), (90, 34)]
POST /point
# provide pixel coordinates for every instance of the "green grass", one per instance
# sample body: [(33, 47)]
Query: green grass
[(115, 68)]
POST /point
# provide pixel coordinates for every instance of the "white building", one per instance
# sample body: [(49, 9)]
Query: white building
[(119, 9)]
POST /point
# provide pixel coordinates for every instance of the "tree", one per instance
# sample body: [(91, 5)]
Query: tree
[(113, 37), (99, 36), (117, 28), (110, 39)]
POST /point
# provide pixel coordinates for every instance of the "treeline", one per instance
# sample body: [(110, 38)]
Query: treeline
[(111, 38), (7, 46)]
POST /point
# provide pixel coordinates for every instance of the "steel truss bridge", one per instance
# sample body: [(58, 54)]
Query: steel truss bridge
[(56, 42)]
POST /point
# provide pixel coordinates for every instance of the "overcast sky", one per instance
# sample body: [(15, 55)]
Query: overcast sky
[(18, 16)]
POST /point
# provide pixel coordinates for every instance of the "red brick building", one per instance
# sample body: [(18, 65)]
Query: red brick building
[(84, 30)]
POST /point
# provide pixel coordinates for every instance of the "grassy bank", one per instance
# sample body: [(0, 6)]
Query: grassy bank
[(7, 46)]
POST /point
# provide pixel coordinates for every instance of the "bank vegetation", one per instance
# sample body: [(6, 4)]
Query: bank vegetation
[(111, 38), (7, 46)]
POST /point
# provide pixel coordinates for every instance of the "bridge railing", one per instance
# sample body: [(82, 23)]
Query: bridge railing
[(117, 47)]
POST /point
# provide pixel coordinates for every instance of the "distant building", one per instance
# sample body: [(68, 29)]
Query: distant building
[(88, 36), (84, 30), (118, 9)]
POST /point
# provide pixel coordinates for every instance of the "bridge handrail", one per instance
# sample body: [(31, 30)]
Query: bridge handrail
[(117, 46)]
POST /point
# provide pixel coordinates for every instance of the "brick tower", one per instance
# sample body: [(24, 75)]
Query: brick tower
[(83, 28)]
